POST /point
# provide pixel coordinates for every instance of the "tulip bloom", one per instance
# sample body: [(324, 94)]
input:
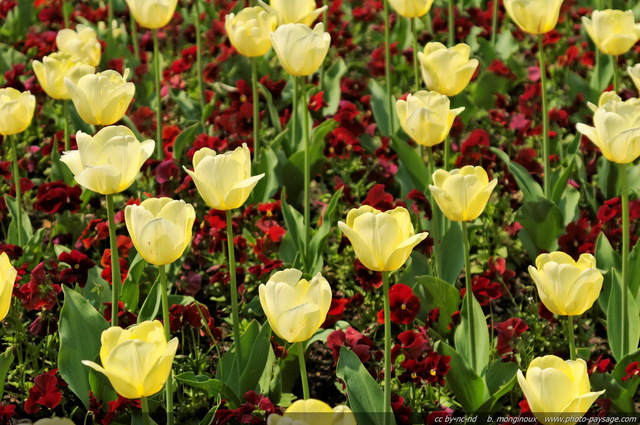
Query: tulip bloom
[(137, 361), (108, 162), (300, 49), (382, 240), (567, 287), (8, 276), (558, 389), (614, 32), (534, 16), (223, 181), (411, 8), (16, 110), (616, 130), (152, 13), (160, 228), (295, 307), (102, 98), (426, 117), (634, 73), (250, 30), (82, 44), (447, 70), (294, 11), (54, 68), (307, 412)]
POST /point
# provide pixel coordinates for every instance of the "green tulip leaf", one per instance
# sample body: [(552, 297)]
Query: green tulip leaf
[(271, 109), (6, 359), (411, 161), (500, 379), (436, 293), (331, 84), (542, 222), (631, 385), (152, 303), (211, 386), (380, 107), (473, 323), (621, 398), (529, 187), (186, 136), (319, 239), (623, 330), (452, 245), (24, 228)]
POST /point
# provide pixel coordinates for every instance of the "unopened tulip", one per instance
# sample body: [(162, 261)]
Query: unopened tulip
[(223, 181), (294, 11), (160, 228), (462, 194), (616, 130), (300, 49), (426, 117), (137, 361), (567, 287), (54, 68), (295, 307), (102, 98), (250, 30), (152, 13), (81, 45), (614, 32), (447, 70), (108, 162), (382, 241), (411, 8), (534, 16), (311, 412), (557, 390), (8, 276), (16, 110)]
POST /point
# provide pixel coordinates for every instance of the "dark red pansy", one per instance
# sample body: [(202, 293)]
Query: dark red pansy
[(45, 392), (79, 266), (507, 331), (405, 305)]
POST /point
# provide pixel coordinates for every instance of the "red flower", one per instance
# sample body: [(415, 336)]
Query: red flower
[(412, 344), (405, 305), (379, 199), (633, 371), (79, 265), (40, 291), (57, 197), (600, 365), (361, 345), (484, 290), (507, 331), (45, 392), (367, 279), (6, 413)]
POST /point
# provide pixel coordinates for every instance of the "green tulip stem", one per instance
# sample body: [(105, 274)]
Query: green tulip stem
[(65, 13), (109, 21), (387, 64), (65, 109), (387, 349), (16, 182), (627, 346), (614, 60), (256, 109), (164, 293), (303, 371), (447, 152), (116, 279), (158, 71), (146, 420), (545, 120), (494, 22), (416, 70), (307, 176), (452, 30), (572, 338), (134, 38), (468, 297), (196, 6), (235, 316), (435, 215)]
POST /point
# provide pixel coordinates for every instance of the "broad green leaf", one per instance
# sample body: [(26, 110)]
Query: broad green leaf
[(211, 386), (608, 178), (470, 390), (380, 105), (130, 293), (185, 138), (97, 291), (294, 223), (542, 223), (529, 187), (319, 239), (411, 161), (436, 293), (6, 359), (623, 330), (23, 228), (331, 85), (152, 304), (500, 379), (619, 372), (271, 182), (621, 398), (274, 116), (453, 261), (472, 336)]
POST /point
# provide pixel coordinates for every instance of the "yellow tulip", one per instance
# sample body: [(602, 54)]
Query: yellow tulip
[(462, 194), (8, 276), (614, 32), (102, 98), (616, 130), (534, 16), (300, 49), (313, 412), (16, 110), (295, 307), (82, 44), (160, 228), (108, 162), (250, 30), (294, 11), (382, 241), (426, 117), (152, 13), (447, 70), (634, 73), (567, 287), (54, 68), (411, 8), (54, 421), (223, 181), (137, 361), (558, 391)]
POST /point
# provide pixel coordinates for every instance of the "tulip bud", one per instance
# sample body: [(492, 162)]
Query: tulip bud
[(300, 49), (614, 32), (108, 162), (382, 240), (54, 68), (312, 411), (137, 361), (81, 45), (295, 307), (567, 287), (462, 194), (411, 8), (152, 13), (616, 130), (557, 390), (16, 110), (102, 98), (250, 30), (294, 11), (426, 117), (534, 16), (8, 275), (447, 70), (160, 228)]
